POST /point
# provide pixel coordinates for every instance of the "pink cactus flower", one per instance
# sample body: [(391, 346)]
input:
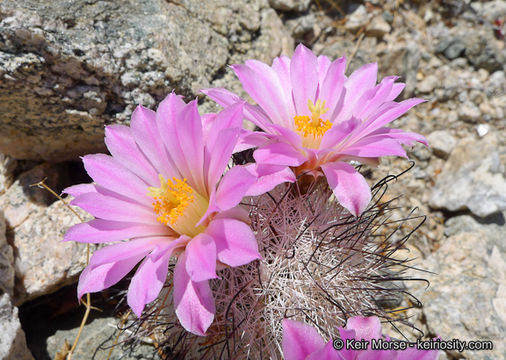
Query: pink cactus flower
[(315, 120), (163, 190), (302, 342)]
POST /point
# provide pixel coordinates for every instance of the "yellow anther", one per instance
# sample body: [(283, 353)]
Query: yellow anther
[(178, 205), (171, 199), (307, 127), (312, 128)]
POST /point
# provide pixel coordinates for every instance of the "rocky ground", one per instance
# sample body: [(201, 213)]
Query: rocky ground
[(68, 68)]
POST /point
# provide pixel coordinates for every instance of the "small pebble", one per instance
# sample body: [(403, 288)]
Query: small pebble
[(482, 129)]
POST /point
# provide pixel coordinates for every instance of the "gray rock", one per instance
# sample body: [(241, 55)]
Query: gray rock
[(275, 39), (422, 153), (451, 47), (482, 50), (99, 333), (411, 62), (43, 263), (467, 296), (469, 112), (7, 166), (378, 27), (12, 341), (470, 223), (472, 178), (428, 84), (290, 5), (66, 69), (388, 16), (491, 10), (357, 19), (482, 129), (302, 25), (496, 84), (401, 59), (441, 143), (6, 261)]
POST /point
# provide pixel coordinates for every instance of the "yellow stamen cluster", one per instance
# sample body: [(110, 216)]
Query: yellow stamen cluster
[(179, 206), (171, 199), (307, 128), (313, 125)]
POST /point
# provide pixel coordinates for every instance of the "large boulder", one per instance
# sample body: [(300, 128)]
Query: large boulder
[(473, 178), (68, 68), (12, 339), (467, 294), (42, 262)]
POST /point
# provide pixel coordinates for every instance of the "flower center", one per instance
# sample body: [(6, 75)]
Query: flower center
[(178, 205), (313, 127)]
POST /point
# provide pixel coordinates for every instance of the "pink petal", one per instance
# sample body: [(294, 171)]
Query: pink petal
[(379, 95), (323, 66), (281, 65), (168, 110), (403, 137), (375, 146), (148, 280), (218, 155), (76, 190), (365, 327), (222, 96), (110, 174), (396, 90), (286, 135), (237, 213), (389, 115), (233, 187), (98, 278), (235, 243), (279, 153), (262, 84), (111, 208), (300, 340), (124, 149), (83, 189), (348, 185), (147, 136), (347, 353), (304, 76), (283, 108), (226, 98), (101, 231), (207, 125), (338, 132), (326, 353), (124, 250), (268, 177), (230, 117), (251, 139), (180, 127), (193, 301), (359, 82), (201, 258), (332, 88), (211, 209), (188, 128)]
